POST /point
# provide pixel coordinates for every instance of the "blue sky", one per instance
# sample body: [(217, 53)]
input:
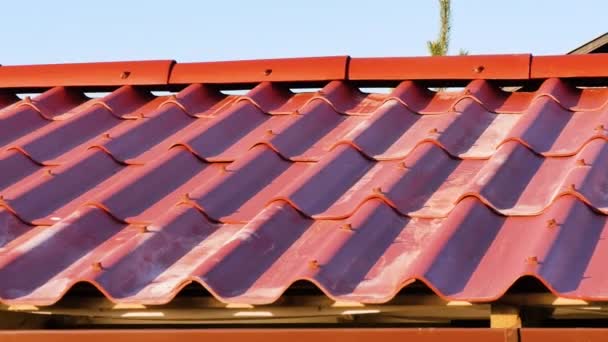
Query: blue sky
[(74, 31)]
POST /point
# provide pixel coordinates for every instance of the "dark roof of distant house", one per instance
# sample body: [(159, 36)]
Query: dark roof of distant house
[(597, 45)]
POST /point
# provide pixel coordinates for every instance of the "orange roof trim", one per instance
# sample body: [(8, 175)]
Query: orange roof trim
[(254, 71), (86, 74), (301, 70), (441, 68), (595, 65)]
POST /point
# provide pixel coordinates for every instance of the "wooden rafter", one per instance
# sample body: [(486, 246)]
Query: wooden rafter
[(318, 309)]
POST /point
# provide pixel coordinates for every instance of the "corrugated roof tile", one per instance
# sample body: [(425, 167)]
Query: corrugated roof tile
[(360, 194)]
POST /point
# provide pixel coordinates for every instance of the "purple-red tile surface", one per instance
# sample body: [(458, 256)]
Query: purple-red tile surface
[(358, 193)]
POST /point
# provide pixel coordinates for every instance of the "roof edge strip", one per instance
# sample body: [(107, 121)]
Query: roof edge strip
[(309, 70), (570, 66), (489, 67), (151, 72)]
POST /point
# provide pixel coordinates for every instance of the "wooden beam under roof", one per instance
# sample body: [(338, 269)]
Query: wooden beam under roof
[(318, 309)]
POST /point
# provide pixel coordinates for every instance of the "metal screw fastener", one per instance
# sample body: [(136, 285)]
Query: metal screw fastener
[(479, 69), (377, 190), (143, 229), (347, 226), (581, 162), (269, 132), (267, 72), (97, 266), (50, 172), (433, 131), (403, 165), (571, 187), (600, 128), (27, 99), (532, 260), (552, 223), (125, 74), (314, 264)]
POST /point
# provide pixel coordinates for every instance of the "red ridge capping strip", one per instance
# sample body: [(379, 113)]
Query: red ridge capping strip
[(86, 74), (313, 69), (253, 71), (595, 65), (503, 67)]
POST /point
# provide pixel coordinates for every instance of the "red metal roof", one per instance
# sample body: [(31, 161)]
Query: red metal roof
[(359, 193)]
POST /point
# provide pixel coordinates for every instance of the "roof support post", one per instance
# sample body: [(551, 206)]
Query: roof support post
[(504, 316)]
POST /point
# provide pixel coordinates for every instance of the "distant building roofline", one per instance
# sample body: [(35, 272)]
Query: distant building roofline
[(597, 45)]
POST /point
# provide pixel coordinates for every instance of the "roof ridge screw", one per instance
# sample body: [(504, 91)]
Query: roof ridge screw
[(377, 190), (479, 69), (270, 131), (552, 223), (600, 127), (582, 162), (186, 197), (50, 172), (143, 229), (267, 72), (571, 187), (125, 74), (433, 130), (27, 99), (106, 135)]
